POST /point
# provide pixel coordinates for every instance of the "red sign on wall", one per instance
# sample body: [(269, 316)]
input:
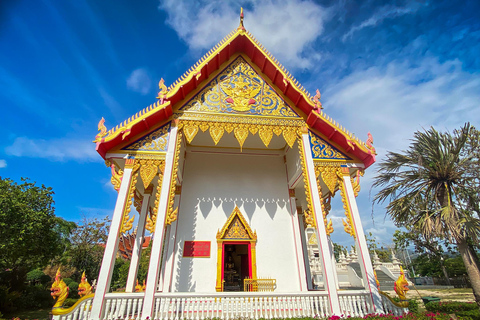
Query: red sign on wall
[(196, 249)]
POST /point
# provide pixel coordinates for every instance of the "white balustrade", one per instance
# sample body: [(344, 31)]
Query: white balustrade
[(391, 308), (230, 305)]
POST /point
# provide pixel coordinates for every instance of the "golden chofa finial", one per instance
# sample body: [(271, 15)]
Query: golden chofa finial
[(241, 27)]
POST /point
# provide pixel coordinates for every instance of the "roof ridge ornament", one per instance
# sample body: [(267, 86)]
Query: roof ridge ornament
[(241, 27), (318, 104)]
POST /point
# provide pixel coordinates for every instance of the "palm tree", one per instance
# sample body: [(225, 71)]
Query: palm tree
[(433, 188)]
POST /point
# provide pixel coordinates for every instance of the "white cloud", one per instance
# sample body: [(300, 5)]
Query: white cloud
[(139, 81), (400, 99), (394, 102), (3, 163), (286, 29), (55, 149), (386, 12)]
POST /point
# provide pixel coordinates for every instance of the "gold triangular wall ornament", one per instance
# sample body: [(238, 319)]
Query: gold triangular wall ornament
[(236, 227), (216, 132), (266, 135), (190, 131), (290, 136), (203, 126), (148, 170), (329, 175), (241, 133)]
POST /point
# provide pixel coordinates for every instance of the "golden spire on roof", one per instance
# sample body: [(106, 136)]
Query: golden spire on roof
[(241, 27)]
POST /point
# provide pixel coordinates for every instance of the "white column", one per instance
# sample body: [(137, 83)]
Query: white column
[(334, 262), (323, 248), (108, 261), (154, 265), (166, 237), (137, 246), (361, 244), (306, 260), (298, 243), (170, 252)]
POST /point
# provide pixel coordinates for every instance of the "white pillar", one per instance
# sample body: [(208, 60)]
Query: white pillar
[(334, 261), (298, 243), (170, 252), (323, 247), (361, 244), (154, 265), (306, 260), (137, 246), (166, 237), (109, 256)]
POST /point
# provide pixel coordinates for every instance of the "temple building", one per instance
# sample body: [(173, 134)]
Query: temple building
[(231, 172)]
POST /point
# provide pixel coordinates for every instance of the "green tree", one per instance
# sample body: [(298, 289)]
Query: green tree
[(87, 246), (30, 233), (432, 245), (431, 188)]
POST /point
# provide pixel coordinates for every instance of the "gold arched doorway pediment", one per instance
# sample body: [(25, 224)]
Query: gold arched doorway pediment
[(236, 228)]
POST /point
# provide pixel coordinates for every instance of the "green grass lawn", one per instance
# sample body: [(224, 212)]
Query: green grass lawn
[(41, 314)]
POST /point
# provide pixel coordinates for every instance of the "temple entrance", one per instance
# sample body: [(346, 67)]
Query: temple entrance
[(236, 257), (236, 266)]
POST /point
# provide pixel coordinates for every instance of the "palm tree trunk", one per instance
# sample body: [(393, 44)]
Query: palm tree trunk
[(471, 267)]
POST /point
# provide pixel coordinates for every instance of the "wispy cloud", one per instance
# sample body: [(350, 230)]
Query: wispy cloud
[(139, 81), (385, 12), (395, 101), (3, 163), (287, 29), (54, 149)]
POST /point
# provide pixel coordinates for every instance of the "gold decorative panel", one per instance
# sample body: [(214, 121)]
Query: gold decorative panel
[(239, 89), (154, 142), (322, 150)]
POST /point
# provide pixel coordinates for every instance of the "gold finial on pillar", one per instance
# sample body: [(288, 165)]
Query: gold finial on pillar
[(241, 27)]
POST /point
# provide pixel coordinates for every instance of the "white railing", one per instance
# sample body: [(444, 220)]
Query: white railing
[(80, 310), (390, 307), (355, 303), (123, 306), (230, 305)]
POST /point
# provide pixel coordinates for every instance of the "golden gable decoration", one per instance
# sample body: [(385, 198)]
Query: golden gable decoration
[(236, 227), (239, 89)]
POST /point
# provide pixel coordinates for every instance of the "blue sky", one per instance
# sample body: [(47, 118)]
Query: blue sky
[(388, 67)]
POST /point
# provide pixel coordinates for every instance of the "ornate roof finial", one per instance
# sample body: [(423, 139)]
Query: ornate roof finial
[(316, 99), (241, 27)]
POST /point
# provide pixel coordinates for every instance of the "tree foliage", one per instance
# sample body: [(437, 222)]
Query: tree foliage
[(87, 246), (31, 235), (433, 190)]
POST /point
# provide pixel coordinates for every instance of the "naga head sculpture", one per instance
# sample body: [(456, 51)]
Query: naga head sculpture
[(84, 288), (59, 290), (401, 285)]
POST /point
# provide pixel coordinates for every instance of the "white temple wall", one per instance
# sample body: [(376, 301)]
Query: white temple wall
[(213, 183)]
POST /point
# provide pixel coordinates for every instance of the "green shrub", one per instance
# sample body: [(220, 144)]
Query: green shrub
[(35, 297), (73, 290), (413, 305), (450, 307), (69, 302), (8, 299), (67, 281)]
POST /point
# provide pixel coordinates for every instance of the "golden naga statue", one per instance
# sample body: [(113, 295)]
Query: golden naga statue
[(401, 286), (140, 288), (59, 290), (84, 288)]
